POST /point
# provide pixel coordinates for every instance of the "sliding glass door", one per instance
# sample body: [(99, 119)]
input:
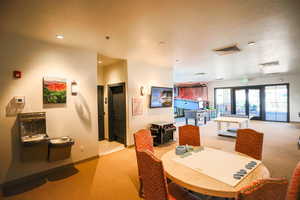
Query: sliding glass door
[(262, 102), (276, 101)]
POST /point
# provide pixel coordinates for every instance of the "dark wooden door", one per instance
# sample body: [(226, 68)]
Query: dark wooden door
[(117, 113), (100, 112)]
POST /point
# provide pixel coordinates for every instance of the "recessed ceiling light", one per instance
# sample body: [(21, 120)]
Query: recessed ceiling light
[(200, 73), (60, 37), (251, 43), (219, 78)]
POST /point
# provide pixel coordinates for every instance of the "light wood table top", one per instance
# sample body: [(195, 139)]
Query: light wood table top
[(231, 119), (201, 183)]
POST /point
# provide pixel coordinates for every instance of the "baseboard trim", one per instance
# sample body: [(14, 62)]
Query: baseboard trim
[(86, 160), (42, 174), (1, 192), (112, 151)]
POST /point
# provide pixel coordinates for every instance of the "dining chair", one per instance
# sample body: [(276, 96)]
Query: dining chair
[(294, 187), (155, 183), (143, 141), (264, 189), (249, 142), (190, 135)]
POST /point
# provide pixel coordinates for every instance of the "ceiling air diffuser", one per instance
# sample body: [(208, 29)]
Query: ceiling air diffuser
[(227, 50), (270, 67)]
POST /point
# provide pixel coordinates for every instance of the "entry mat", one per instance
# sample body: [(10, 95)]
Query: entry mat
[(229, 168)]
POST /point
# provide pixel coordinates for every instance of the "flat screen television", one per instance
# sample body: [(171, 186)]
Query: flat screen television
[(161, 97)]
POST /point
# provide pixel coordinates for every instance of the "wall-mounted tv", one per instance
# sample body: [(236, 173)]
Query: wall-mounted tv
[(161, 97)]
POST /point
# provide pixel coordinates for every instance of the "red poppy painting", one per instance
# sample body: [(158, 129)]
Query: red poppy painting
[(54, 91)]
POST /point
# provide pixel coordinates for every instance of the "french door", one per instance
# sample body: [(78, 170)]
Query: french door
[(262, 102), (247, 101)]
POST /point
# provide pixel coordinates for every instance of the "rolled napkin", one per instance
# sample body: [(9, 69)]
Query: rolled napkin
[(180, 150), (185, 154), (198, 149), (189, 148)]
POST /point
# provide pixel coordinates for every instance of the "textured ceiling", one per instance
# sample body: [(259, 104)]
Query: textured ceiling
[(188, 29)]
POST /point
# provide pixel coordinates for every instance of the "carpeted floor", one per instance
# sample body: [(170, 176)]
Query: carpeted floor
[(114, 176)]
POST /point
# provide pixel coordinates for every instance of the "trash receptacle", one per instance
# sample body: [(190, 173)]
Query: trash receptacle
[(60, 148)]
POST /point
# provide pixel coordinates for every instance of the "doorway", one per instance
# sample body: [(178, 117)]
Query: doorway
[(101, 113), (117, 112), (247, 101)]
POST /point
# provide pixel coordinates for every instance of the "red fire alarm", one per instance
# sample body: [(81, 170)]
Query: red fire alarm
[(17, 74)]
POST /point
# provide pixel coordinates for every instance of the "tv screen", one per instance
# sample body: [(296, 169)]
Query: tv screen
[(161, 97)]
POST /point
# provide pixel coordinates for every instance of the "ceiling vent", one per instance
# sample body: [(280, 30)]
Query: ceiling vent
[(200, 74), (227, 50), (270, 67), (267, 64)]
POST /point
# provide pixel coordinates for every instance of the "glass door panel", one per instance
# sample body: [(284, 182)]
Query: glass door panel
[(223, 101), (254, 102), (276, 101), (240, 101)]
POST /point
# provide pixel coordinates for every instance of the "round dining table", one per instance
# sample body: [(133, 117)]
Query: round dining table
[(204, 184)]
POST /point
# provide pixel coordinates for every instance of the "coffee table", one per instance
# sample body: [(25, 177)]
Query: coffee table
[(240, 121)]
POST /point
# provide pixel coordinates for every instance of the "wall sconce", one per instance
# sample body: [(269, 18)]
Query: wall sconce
[(142, 90), (74, 88)]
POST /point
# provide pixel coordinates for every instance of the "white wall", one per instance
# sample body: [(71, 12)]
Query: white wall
[(78, 118), (293, 80), (143, 74), (100, 73)]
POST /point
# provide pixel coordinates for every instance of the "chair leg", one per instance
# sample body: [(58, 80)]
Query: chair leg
[(141, 190), (169, 180)]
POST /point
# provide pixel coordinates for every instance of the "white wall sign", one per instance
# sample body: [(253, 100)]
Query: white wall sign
[(137, 106)]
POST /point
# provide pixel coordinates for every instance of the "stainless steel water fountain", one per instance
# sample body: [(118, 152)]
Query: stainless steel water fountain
[(34, 138)]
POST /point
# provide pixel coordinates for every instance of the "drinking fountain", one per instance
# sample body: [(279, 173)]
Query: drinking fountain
[(33, 136), (60, 148), (36, 144)]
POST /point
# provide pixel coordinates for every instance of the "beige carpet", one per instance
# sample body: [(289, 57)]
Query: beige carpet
[(114, 176)]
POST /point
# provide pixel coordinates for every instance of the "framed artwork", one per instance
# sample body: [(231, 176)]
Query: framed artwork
[(54, 90), (137, 106)]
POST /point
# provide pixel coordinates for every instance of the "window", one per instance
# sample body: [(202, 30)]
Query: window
[(223, 101), (276, 101), (261, 102), (254, 102), (240, 102)]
